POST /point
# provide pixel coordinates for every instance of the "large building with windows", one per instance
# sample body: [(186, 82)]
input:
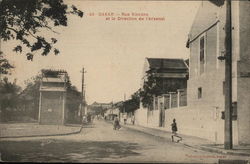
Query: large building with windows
[(203, 116), (206, 84)]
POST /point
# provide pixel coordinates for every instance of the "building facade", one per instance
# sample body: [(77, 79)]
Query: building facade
[(206, 84), (171, 78), (203, 116), (52, 97)]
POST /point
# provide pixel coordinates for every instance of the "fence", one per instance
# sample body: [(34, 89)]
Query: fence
[(171, 100)]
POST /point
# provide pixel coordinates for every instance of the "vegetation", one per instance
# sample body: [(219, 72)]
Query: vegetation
[(73, 101), (26, 103), (150, 89), (24, 20), (5, 66), (98, 110), (8, 97), (132, 104)]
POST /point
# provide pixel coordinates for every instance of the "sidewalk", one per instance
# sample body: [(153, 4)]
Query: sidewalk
[(192, 141), (18, 130)]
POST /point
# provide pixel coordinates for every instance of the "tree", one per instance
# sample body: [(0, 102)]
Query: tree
[(97, 110), (23, 20), (151, 88), (130, 105), (8, 96), (5, 66), (73, 101), (31, 92)]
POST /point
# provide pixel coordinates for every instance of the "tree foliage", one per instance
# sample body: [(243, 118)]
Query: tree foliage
[(8, 94), (5, 66), (74, 98), (32, 90), (98, 110), (131, 104), (151, 88), (23, 20)]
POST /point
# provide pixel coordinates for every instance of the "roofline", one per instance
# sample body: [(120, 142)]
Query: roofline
[(202, 32), (167, 58), (186, 63)]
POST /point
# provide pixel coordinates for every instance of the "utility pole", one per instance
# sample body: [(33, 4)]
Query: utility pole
[(228, 139), (124, 102), (83, 93), (0, 57)]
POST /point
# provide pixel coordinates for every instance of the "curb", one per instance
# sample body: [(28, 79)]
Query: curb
[(205, 148), (44, 135), (139, 131), (200, 147)]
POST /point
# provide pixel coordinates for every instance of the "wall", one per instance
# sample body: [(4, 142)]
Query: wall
[(200, 121), (211, 81), (51, 108), (199, 118), (141, 116), (244, 69), (153, 118)]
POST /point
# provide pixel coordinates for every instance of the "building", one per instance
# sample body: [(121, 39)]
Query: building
[(171, 78), (206, 98), (102, 105), (53, 97)]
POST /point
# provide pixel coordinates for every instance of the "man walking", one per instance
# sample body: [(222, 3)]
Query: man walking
[(174, 131), (116, 124)]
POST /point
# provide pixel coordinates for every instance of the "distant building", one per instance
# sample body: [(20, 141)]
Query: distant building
[(52, 97), (171, 74), (103, 105)]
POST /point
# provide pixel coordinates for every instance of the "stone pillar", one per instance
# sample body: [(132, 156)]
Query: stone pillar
[(178, 98), (170, 100)]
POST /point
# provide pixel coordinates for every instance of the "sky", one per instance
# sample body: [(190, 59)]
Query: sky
[(112, 52)]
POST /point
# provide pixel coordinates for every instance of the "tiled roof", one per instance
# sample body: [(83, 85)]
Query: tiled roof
[(163, 63)]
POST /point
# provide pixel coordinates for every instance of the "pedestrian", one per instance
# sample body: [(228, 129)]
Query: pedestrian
[(116, 124), (133, 119), (174, 131), (125, 119), (84, 120)]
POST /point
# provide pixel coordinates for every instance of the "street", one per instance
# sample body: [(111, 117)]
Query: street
[(100, 143)]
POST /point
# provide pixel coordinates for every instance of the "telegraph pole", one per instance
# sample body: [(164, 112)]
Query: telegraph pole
[(83, 92), (228, 138), (124, 102), (0, 57)]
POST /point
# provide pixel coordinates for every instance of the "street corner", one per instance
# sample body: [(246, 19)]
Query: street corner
[(35, 130)]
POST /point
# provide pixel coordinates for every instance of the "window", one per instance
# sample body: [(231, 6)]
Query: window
[(202, 55), (199, 93)]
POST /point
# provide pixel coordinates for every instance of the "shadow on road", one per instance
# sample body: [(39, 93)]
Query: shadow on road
[(60, 150)]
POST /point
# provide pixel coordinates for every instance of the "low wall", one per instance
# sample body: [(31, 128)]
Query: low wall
[(153, 118), (204, 122), (141, 117), (200, 121)]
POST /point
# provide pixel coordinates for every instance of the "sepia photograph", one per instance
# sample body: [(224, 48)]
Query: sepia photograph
[(125, 81)]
